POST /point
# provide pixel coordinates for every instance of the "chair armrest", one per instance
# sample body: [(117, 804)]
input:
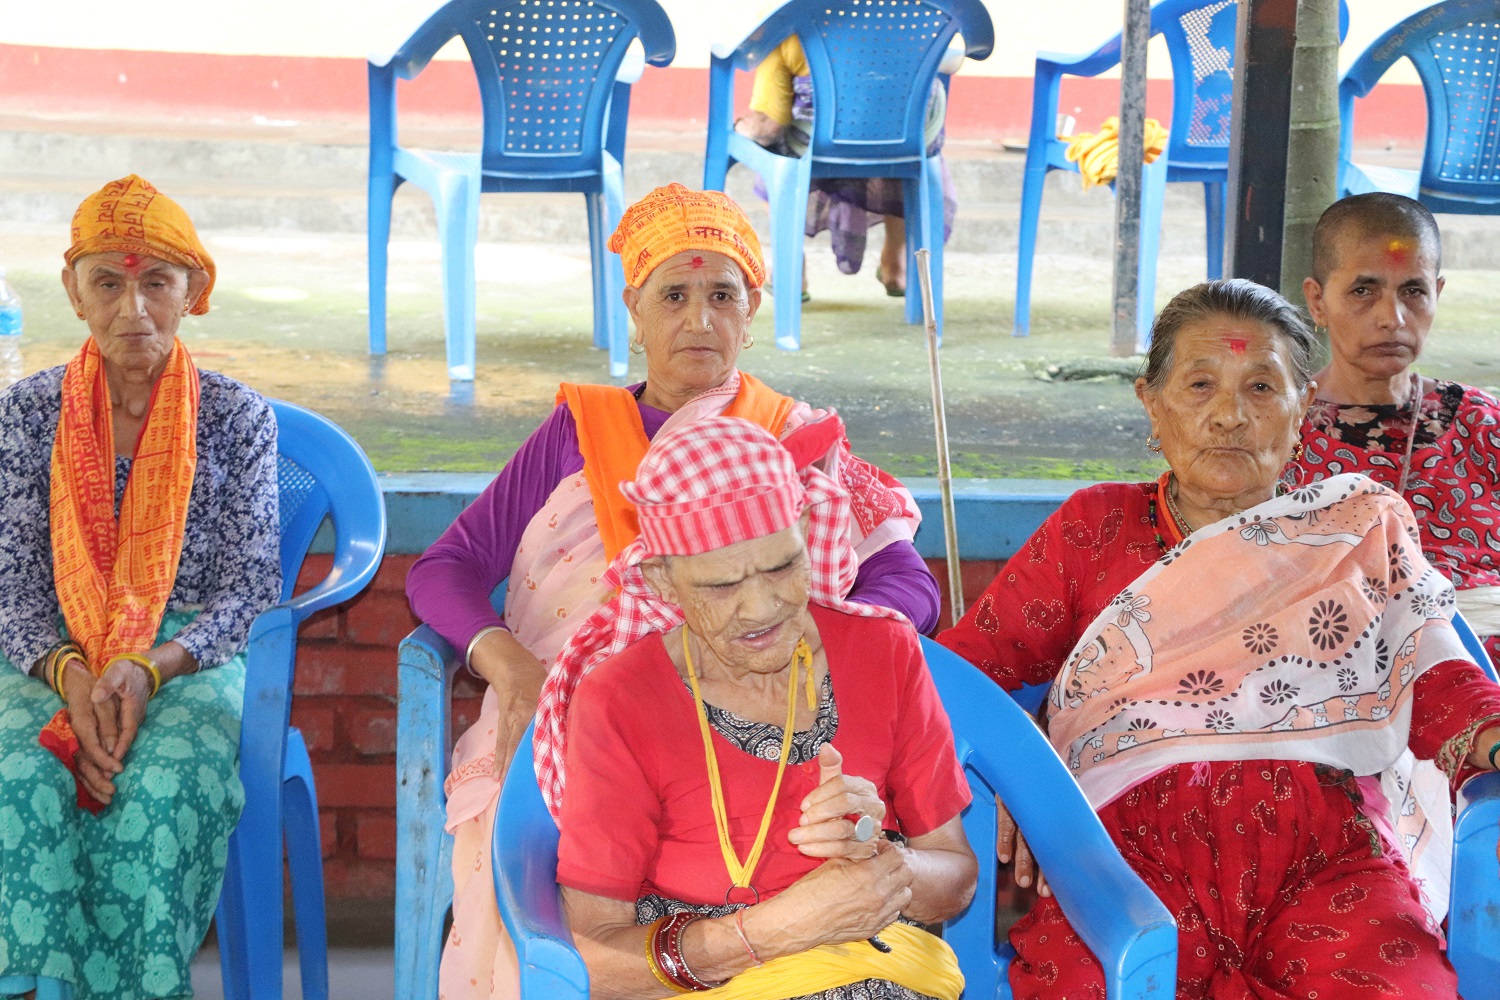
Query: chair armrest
[(425, 666), (1113, 911), (524, 857), (1474, 917), (353, 567), (1106, 56)]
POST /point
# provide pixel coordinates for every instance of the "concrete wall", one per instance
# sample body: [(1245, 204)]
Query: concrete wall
[(283, 61), (353, 28)]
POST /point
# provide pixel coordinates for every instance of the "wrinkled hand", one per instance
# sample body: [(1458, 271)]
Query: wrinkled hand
[(516, 677), (1009, 842), (121, 692), (843, 900), (823, 831), (96, 765), (760, 128)]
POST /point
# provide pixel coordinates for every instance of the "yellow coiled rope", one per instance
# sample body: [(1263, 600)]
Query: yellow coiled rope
[(1098, 153)]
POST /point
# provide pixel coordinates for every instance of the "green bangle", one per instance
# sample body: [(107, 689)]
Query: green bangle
[(1494, 750)]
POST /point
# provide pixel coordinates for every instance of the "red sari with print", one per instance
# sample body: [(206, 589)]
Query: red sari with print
[(1453, 482), (1280, 887)]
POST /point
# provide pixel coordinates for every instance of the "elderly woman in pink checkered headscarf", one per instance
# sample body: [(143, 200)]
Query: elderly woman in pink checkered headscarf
[(759, 775)]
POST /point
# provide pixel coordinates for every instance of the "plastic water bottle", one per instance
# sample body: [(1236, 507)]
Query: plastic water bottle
[(10, 334)]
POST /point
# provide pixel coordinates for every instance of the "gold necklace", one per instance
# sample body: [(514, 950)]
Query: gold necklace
[(740, 872), (1182, 522)]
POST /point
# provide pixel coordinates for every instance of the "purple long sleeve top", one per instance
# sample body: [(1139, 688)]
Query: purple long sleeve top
[(450, 585)]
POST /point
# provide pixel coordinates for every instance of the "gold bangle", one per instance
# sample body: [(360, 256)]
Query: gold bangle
[(144, 662), (652, 930), (64, 658)]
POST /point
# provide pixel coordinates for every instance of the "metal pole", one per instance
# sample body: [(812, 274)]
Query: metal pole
[(940, 424), (1256, 202), (1133, 43)]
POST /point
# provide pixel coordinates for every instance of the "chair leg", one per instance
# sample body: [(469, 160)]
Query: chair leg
[(378, 223), (253, 891), (304, 845), (787, 186), (457, 204), (229, 930), (598, 257), (1153, 198), (616, 317), (1033, 183), (1213, 216)]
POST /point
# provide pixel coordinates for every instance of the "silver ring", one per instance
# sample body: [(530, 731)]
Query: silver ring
[(864, 828)]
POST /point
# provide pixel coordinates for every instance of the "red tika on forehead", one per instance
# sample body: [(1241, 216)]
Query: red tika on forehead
[(697, 262), (1398, 251), (1237, 344)]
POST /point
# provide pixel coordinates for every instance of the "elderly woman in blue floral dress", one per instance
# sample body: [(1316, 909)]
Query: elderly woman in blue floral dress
[(139, 543)]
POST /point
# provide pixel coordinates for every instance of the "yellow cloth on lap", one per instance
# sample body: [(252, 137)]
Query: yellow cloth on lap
[(917, 960)]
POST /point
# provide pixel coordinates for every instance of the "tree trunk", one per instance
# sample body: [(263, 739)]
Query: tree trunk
[(1313, 146)]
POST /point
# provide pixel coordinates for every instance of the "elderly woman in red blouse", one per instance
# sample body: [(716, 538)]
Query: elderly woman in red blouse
[(716, 713), (1377, 262)]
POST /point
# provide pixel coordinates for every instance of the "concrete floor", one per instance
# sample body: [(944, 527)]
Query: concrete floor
[(353, 974)]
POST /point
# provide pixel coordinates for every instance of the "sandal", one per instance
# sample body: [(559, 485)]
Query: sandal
[(892, 289)]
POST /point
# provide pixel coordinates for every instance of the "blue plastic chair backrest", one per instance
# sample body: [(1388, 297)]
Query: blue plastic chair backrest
[(319, 472), (546, 71), (1201, 39), (1454, 47), (872, 65)]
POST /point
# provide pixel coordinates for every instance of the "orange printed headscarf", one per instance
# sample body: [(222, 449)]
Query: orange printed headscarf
[(114, 576), (131, 216), (672, 219)]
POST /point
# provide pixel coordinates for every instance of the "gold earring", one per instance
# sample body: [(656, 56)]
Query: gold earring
[(748, 342), (1153, 443), (637, 346)]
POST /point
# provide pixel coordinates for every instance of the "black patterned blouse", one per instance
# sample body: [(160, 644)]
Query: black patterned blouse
[(230, 567)]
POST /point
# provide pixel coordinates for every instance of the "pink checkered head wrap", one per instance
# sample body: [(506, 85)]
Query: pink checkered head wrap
[(708, 484)]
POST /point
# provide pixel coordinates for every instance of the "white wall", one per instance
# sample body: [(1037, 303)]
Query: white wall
[(354, 28)]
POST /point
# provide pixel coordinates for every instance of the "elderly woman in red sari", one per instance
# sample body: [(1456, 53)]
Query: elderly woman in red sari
[(712, 720), (1375, 284), (554, 518), (1256, 684)]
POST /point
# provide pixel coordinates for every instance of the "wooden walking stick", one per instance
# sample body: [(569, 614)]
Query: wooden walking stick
[(940, 423)]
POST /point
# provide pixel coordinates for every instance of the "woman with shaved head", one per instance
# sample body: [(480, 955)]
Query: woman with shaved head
[(1375, 284)]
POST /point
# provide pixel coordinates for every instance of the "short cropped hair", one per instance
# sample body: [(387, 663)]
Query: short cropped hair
[(1234, 298), (1376, 213)]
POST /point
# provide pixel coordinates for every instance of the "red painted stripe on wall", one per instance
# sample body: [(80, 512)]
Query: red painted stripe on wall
[(40, 80)]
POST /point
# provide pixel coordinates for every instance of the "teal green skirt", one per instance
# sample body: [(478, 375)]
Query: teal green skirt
[(117, 905)]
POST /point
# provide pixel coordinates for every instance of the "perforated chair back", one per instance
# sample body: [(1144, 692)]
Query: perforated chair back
[(1200, 41), (872, 64)]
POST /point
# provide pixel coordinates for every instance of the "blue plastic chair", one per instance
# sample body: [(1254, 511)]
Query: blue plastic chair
[(1453, 46), (872, 63), (1003, 753), (556, 94), (321, 474), (1200, 36), (1474, 910)]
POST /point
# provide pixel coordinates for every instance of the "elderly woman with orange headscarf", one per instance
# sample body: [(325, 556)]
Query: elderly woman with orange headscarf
[(555, 517), (140, 540)]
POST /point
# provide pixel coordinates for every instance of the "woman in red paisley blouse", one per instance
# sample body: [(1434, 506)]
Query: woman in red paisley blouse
[(1258, 688), (1375, 286)]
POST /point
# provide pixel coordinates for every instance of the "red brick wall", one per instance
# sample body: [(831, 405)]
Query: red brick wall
[(345, 705)]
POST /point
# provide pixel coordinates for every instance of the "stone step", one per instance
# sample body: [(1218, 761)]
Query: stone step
[(312, 179)]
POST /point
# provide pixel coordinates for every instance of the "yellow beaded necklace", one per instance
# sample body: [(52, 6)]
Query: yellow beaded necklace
[(740, 872)]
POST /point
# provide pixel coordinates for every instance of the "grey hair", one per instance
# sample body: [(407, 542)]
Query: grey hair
[(1235, 298)]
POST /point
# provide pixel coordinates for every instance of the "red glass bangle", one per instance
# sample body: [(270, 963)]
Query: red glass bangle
[(666, 948)]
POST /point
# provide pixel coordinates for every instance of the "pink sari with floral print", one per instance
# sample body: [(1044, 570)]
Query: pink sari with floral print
[(1329, 614)]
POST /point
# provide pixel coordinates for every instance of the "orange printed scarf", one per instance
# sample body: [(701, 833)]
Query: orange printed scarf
[(113, 578)]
